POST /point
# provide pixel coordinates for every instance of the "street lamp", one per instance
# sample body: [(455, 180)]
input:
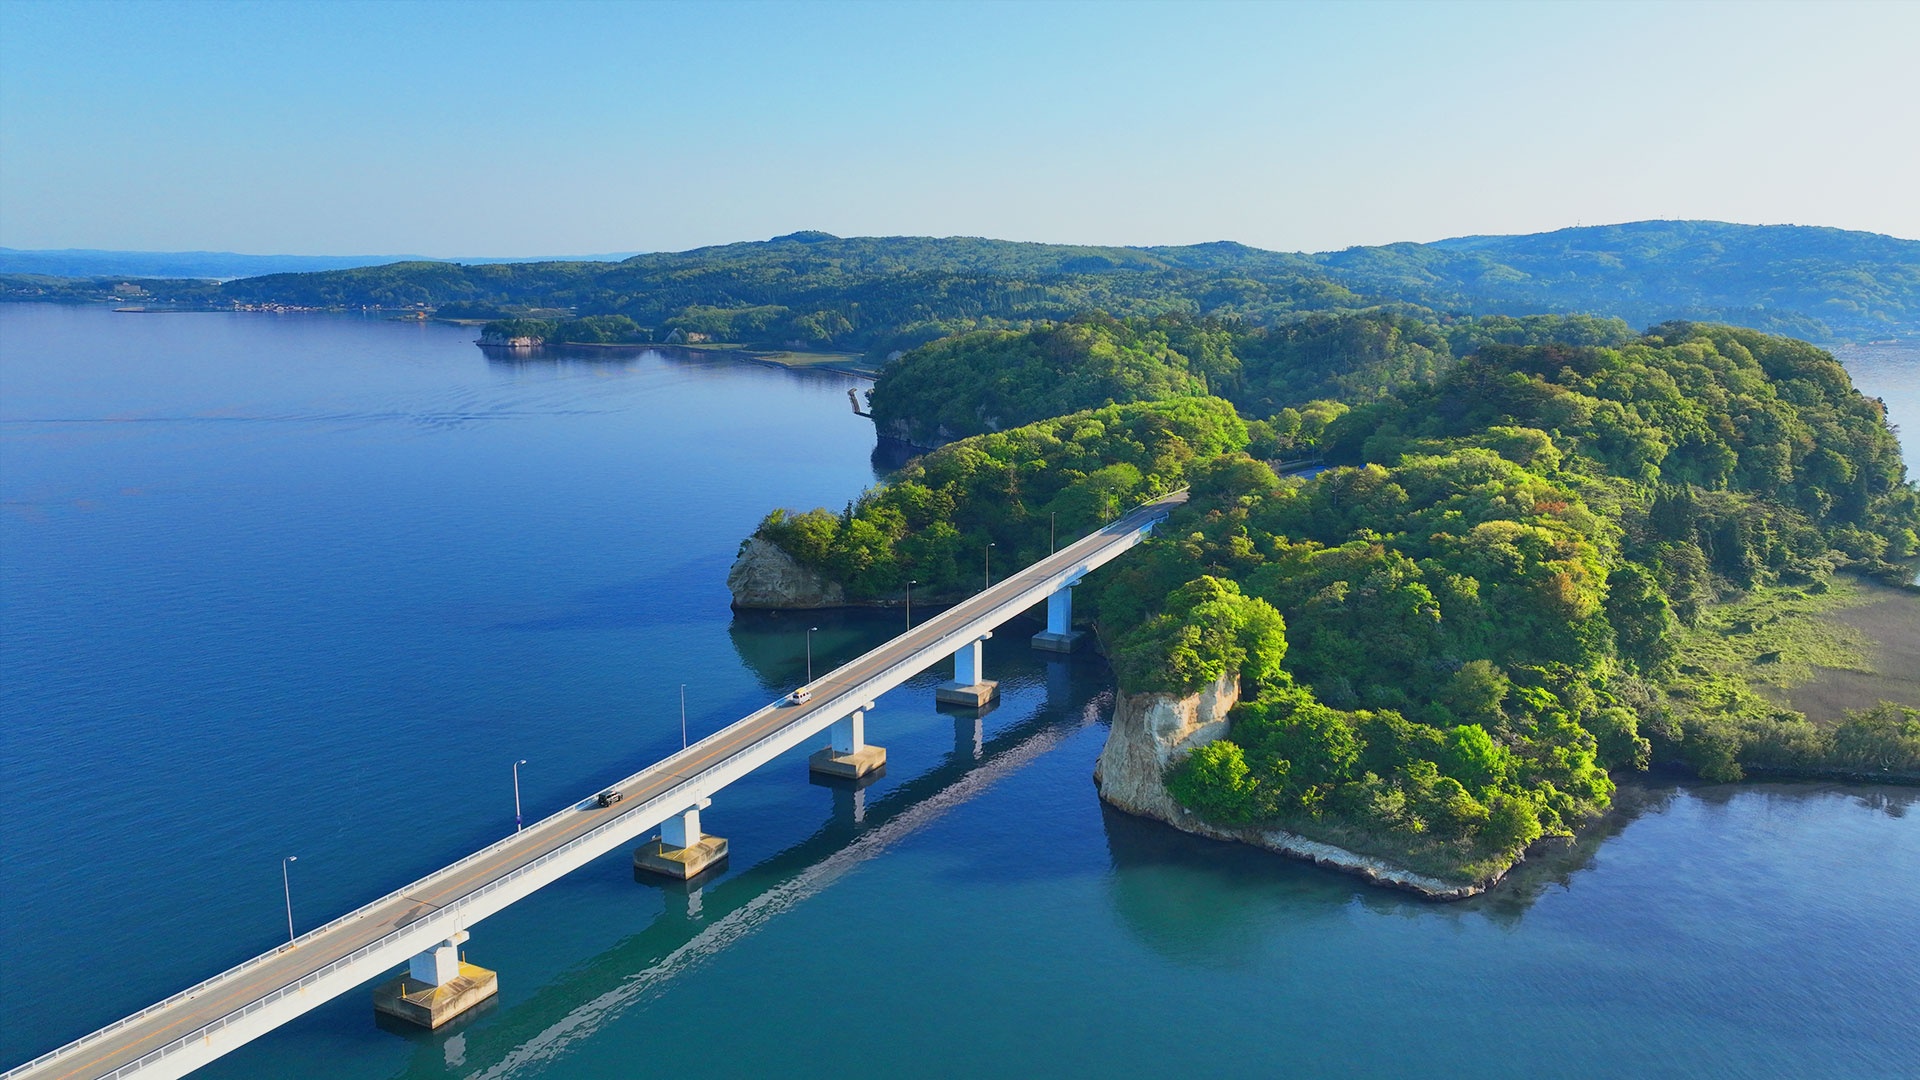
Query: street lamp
[(810, 631), (683, 716), (911, 582), (989, 564), (287, 887), (516, 793), (1050, 530)]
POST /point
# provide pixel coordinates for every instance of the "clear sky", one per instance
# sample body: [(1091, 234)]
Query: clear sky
[(556, 128)]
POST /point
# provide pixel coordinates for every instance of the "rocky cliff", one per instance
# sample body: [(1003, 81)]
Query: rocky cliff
[(499, 340), (766, 577), (1150, 730)]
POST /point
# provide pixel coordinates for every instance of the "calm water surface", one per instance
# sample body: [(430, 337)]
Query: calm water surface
[(1892, 374), (309, 585)]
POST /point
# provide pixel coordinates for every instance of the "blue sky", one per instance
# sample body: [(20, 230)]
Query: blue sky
[(552, 128)]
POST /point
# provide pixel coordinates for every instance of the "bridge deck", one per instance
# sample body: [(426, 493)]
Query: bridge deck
[(273, 975)]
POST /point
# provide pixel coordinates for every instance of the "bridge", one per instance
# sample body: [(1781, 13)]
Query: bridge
[(423, 925)]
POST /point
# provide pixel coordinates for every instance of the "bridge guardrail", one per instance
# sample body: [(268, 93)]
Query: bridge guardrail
[(447, 914)]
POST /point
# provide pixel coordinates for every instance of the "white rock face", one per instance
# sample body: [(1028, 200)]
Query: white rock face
[(901, 429), (766, 577), (1151, 730)]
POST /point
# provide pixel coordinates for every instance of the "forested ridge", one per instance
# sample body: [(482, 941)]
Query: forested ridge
[(1448, 641), (993, 379), (882, 294)]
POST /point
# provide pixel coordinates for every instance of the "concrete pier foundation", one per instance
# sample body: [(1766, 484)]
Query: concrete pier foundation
[(682, 852), (437, 986), (848, 755), (967, 687), (1059, 636)]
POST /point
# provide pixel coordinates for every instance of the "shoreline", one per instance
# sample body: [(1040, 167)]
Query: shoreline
[(1381, 872), (1375, 871), (827, 361)]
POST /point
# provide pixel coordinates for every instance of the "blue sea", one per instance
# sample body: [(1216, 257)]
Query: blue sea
[(310, 584)]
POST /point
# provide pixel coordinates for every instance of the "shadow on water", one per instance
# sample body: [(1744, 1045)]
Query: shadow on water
[(891, 455), (601, 358), (705, 916), (773, 644), (1196, 901), (561, 357)]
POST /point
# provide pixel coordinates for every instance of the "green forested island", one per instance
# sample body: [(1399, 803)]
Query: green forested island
[(1494, 598), (992, 379), (878, 295)]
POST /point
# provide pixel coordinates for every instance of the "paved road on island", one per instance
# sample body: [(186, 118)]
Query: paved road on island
[(288, 965)]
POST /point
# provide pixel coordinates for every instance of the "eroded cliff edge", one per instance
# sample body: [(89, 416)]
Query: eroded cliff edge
[(1150, 730), (765, 577)]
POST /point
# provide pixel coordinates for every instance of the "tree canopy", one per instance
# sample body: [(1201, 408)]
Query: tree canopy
[(1447, 641)]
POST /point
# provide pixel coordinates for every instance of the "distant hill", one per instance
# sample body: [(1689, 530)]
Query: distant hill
[(1806, 281), (219, 265), (813, 289)]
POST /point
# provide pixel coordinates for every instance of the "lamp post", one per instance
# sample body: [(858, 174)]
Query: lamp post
[(989, 559), (1050, 531), (683, 716), (810, 631), (286, 886), (911, 582), (516, 793)]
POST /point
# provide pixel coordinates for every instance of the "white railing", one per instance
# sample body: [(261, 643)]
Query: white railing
[(919, 660)]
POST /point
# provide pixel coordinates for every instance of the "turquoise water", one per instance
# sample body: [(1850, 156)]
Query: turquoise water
[(309, 585)]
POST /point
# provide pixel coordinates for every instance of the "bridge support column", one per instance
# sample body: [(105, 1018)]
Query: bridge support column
[(848, 754), (683, 851), (437, 986), (1059, 636), (967, 687)]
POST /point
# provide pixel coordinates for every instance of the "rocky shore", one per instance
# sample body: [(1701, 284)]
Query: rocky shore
[(497, 340), (767, 578), (1150, 730)]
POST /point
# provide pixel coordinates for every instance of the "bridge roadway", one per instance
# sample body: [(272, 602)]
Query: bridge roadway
[(197, 1025)]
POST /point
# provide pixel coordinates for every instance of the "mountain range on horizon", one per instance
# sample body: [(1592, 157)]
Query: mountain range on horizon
[(881, 293), (228, 265), (224, 265)]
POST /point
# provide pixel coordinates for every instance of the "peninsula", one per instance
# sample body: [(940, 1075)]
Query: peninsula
[(1426, 658)]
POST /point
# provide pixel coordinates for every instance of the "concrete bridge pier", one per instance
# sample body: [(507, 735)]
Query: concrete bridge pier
[(438, 986), (682, 852), (967, 687), (848, 755), (1060, 636)]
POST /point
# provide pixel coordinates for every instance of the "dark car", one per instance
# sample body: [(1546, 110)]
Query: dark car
[(608, 798)]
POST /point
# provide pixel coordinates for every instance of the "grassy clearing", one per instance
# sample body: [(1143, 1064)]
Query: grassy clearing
[(788, 358), (1727, 703), (1748, 652)]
